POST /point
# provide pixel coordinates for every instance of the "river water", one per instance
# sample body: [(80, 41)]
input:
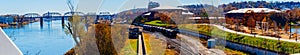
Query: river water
[(33, 39)]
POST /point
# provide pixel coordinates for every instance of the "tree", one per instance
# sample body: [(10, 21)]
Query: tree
[(286, 27), (74, 26), (230, 20), (251, 23), (104, 39), (90, 38)]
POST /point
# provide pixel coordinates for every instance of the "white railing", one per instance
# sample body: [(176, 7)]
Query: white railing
[(7, 46)]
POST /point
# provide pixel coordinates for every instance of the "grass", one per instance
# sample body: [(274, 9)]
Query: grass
[(130, 47), (124, 45), (155, 46), (234, 52), (147, 43), (156, 23), (287, 47), (171, 52)]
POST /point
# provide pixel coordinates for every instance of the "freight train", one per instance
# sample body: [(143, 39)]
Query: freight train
[(166, 31)]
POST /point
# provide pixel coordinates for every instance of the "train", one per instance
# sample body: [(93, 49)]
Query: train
[(134, 33), (166, 31)]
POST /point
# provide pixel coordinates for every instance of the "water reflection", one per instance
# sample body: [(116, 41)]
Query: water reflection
[(48, 39)]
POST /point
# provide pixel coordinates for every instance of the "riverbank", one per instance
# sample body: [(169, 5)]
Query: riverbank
[(9, 25), (4, 25)]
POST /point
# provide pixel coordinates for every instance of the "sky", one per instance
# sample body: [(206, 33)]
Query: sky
[(95, 6)]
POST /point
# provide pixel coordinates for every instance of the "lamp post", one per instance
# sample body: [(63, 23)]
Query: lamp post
[(296, 31), (289, 22), (290, 29)]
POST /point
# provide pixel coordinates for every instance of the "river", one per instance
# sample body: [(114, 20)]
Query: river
[(33, 39)]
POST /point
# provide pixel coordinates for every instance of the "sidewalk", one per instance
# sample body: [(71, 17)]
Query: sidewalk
[(267, 37)]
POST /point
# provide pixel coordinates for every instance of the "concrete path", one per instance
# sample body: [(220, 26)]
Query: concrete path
[(7, 46), (267, 37)]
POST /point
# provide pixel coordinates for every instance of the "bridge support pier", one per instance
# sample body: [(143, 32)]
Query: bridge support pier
[(41, 22), (63, 22)]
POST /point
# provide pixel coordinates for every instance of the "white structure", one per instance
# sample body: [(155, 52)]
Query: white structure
[(206, 17), (182, 11), (256, 10), (167, 8), (104, 13), (7, 46)]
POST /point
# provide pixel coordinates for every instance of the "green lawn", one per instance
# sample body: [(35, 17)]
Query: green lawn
[(288, 47), (130, 47), (156, 23), (234, 52)]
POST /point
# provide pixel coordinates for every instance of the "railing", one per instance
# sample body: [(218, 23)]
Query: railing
[(7, 46), (141, 45)]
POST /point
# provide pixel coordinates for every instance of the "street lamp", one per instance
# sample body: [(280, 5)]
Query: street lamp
[(290, 29)]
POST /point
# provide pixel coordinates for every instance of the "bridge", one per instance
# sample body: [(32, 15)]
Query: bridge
[(31, 16), (49, 16)]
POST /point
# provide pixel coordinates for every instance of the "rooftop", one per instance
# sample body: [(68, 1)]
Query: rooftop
[(167, 7), (255, 10)]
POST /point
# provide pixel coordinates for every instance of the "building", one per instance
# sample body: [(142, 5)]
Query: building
[(153, 5), (171, 9), (242, 16)]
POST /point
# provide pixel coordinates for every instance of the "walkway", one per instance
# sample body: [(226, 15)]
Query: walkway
[(7, 47), (267, 37)]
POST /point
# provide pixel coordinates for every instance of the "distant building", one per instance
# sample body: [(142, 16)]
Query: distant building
[(243, 15), (104, 13), (171, 9), (153, 5), (255, 10), (7, 19)]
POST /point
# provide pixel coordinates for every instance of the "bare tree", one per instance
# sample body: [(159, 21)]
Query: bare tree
[(251, 21), (75, 26)]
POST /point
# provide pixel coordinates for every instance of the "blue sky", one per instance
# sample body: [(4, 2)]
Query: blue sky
[(43, 6)]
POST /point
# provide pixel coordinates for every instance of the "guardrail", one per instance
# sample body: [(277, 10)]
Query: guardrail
[(7, 46)]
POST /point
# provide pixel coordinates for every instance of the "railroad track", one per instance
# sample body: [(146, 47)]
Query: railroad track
[(181, 47), (185, 45)]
